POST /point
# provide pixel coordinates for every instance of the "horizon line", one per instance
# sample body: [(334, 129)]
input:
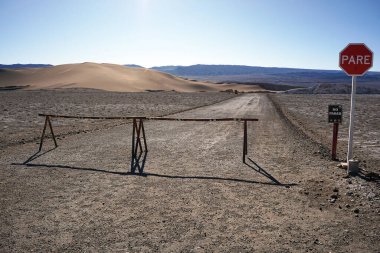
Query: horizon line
[(155, 66)]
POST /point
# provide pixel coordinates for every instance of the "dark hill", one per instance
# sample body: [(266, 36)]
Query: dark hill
[(251, 74), (222, 70), (23, 66), (134, 66)]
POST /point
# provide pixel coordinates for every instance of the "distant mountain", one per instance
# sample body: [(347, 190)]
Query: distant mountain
[(23, 66), (318, 81), (169, 69), (251, 74), (222, 70), (334, 89), (133, 66)]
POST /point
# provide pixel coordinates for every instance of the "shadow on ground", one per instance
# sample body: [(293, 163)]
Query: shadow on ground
[(369, 176), (255, 167)]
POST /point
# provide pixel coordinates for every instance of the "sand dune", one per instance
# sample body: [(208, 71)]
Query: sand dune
[(109, 77)]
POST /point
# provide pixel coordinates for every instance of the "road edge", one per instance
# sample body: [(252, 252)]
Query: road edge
[(323, 151)]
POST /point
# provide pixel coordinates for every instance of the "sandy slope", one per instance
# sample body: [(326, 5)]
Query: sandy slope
[(109, 77)]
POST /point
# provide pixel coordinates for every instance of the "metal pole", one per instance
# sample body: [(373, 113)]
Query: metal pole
[(138, 141), (52, 133), (352, 116), (245, 146), (133, 146), (43, 134), (246, 136), (143, 132)]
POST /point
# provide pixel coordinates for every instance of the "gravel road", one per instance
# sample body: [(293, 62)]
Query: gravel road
[(196, 195)]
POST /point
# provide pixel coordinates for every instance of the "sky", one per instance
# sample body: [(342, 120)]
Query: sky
[(268, 33)]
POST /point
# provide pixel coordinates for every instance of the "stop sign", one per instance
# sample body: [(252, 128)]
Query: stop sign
[(355, 59)]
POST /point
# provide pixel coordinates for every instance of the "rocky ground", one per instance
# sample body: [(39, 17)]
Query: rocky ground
[(19, 121), (196, 194), (309, 113)]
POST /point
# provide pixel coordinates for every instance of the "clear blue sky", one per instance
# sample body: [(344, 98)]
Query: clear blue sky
[(273, 33)]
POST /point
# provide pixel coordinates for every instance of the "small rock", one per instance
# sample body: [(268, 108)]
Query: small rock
[(332, 200), (334, 196), (348, 206), (349, 193), (335, 189), (371, 196), (356, 210)]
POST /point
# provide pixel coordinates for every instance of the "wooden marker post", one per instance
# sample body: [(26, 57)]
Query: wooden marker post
[(335, 141), (335, 116)]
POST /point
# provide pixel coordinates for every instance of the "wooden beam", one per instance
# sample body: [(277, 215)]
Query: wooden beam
[(147, 118)]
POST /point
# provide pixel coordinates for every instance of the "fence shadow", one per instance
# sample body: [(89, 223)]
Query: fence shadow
[(218, 179), (145, 174), (263, 172), (37, 154)]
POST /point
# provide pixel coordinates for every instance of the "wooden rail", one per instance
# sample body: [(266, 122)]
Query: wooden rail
[(146, 118), (140, 149)]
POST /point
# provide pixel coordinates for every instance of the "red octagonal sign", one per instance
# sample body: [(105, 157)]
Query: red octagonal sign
[(355, 59)]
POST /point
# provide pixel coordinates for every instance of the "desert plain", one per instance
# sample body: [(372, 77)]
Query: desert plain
[(196, 194)]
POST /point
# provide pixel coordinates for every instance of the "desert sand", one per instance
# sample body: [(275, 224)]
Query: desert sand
[(309, 114), (196, 194), (109, 77)]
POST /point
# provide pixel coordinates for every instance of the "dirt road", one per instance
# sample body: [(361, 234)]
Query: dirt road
[(196, 195)]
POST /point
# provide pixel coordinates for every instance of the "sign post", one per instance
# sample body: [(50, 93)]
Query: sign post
[(335, 116), (355, 59), (352, 116)]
